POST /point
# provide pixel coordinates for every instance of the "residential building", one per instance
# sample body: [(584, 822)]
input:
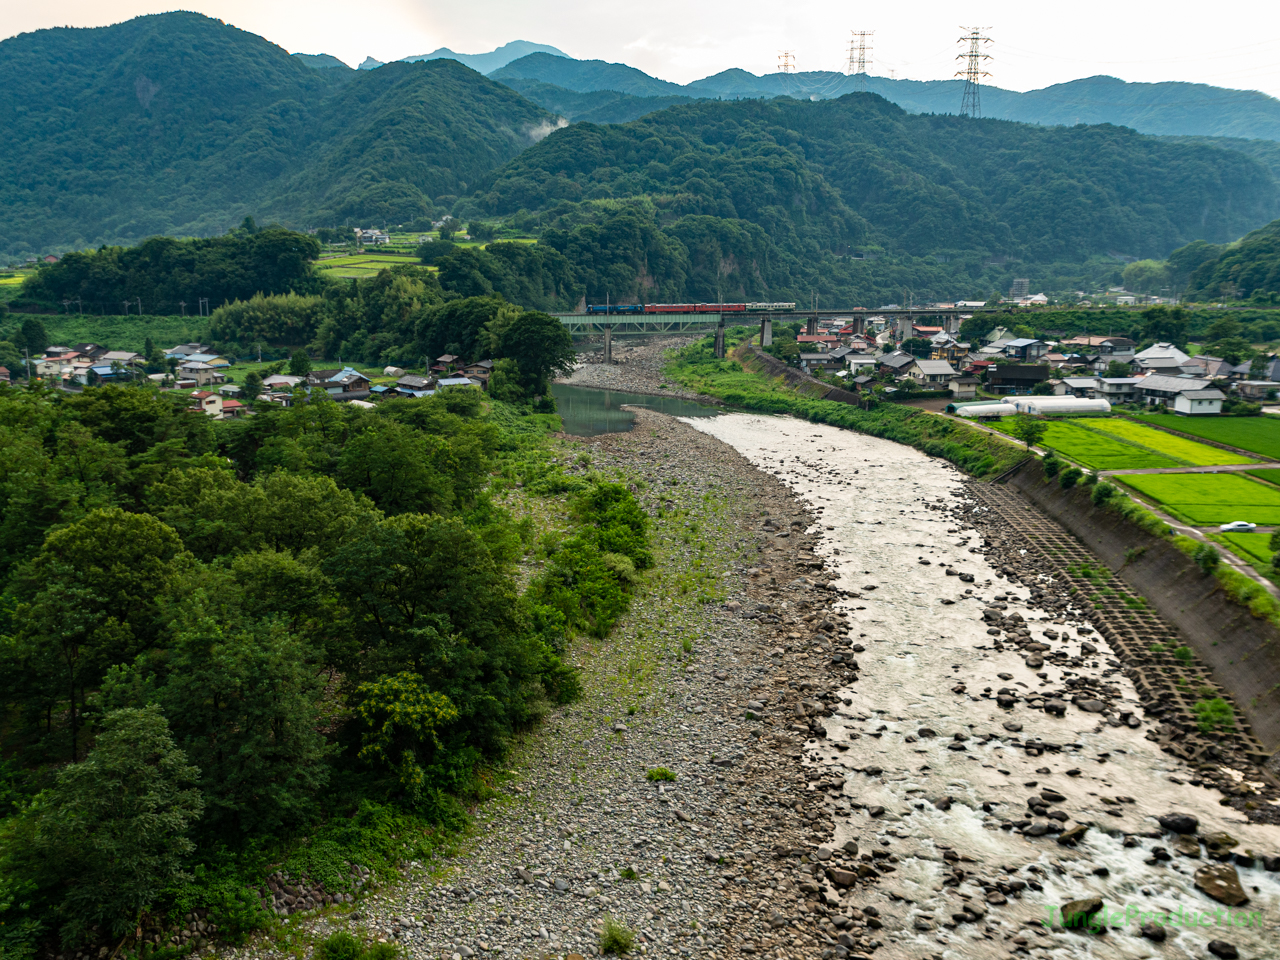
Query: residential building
[(203, 374), (1014, 378), (963, 388), (341, 385), (859, 363), (1198, 403), (93, 351), (1112, 348), (1158, 388), (1115, 389), (184, 350), (1203, 365), (1019, 288), (208, 402), (1084, 387), (818, 342), (1256, 389), (457, 382), (4, 374), (443, 364), (1025, 348), (931, 371), (121, 356), (281, 381), (210, 358), (1162, 350), (896, 363), (999, 333)]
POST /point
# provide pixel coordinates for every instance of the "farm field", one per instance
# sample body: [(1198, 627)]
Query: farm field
[(1210, 498), (363, 265), (1255, 434), (1188, 451), (1254, 547), (1270, 476), (1099, 452)]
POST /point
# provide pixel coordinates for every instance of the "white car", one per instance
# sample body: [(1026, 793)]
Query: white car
[(1238, 526)]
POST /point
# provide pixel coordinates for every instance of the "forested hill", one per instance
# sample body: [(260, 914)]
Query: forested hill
[(181, 124), (840, 175), (1168, 109)]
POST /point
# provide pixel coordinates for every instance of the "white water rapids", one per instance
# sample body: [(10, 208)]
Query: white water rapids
[(875, 529)]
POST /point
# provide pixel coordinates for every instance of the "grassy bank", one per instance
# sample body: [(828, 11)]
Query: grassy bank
[(743, 382)]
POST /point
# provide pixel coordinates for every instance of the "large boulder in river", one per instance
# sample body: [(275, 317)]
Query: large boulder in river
[(1179, 823), (1221, 882)]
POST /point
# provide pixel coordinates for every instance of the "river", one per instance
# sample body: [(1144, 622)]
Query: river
[(587, 412), (872, 495)]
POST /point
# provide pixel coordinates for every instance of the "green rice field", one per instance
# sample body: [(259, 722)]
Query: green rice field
[(1210, 498), (1188, 451), (1099, 452), (1255, 434), (363, 265), (1254, 547), (1270, 476)]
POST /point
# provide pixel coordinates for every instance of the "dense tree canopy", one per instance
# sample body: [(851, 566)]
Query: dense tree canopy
[(161, 273), (215, 636)]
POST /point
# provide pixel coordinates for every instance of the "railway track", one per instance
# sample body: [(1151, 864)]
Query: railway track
[(1142, 639)]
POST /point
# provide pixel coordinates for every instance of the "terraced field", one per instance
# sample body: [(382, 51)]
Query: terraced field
[(1255, 434), (363, 265), (1204, 499), (1188, 451)]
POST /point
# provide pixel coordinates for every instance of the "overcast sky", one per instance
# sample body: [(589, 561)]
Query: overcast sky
[(1230, 44)]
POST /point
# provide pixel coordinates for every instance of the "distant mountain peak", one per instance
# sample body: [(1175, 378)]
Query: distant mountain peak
[(494, 59), (370, 64)]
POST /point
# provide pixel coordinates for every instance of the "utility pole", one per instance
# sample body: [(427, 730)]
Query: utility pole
[(859, 50), (786, 61), (204, 306), (183, 305), (971, 105), (126, 307), (79, 306), (139, 306)]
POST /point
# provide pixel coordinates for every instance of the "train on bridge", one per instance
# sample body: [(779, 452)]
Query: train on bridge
[(631, 309)]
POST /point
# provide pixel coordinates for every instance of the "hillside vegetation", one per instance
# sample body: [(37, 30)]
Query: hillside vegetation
[(853, 199), (179, 124)]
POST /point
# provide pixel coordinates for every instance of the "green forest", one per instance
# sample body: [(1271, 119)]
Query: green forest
[(183, 125), (291, 639)]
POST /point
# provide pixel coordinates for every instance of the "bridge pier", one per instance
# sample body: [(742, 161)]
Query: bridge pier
[(720, 341), (608, 343), (766, 332), (811, 329)]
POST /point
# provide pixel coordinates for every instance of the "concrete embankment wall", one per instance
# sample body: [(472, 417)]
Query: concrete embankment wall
[(756, 360), (1242, 650)]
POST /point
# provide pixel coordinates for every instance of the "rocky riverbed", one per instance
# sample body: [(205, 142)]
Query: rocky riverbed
[(636, 368)]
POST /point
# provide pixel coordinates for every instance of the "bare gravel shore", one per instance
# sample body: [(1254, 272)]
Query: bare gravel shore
[(636, 368)]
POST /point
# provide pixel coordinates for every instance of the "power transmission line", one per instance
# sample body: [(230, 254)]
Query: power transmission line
[(786, 61), (971, 105), (859, 50)]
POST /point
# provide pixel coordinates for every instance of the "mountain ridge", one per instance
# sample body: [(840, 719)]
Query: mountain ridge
[(1169, 108)]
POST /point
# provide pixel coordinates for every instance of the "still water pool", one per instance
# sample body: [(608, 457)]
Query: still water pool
[(587, 412)]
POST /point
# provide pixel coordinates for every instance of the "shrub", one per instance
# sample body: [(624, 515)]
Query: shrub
[(659, 773), (615, 938), (1102, 492), (339, 946), (1068, 478), (1207, 558), (1215, 714), (1051, 465)]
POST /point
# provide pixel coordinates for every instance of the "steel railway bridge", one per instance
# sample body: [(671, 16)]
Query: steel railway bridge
[(657, 324)]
